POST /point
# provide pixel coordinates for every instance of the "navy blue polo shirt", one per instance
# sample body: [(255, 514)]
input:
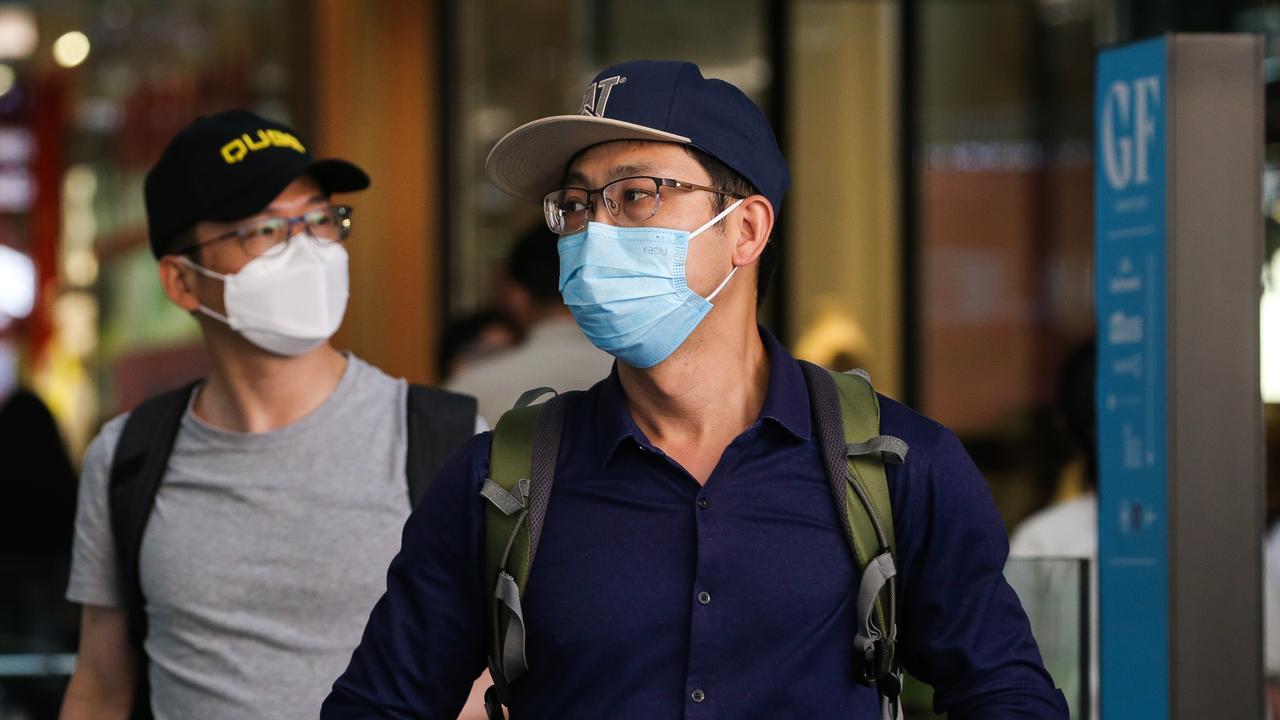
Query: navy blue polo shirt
[(652, 596)]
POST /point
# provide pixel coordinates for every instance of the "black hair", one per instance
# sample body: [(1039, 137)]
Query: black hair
[(183, 243), (1076, 405), (534, 264), (726, 179)]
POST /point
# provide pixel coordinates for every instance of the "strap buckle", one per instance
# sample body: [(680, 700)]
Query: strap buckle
[(890, 689), (870, 661)]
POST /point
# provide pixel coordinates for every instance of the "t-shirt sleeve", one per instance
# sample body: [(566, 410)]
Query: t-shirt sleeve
[(94, 579), (962, 628)]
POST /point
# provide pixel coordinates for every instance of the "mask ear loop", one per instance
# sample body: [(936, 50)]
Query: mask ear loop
[(216, 276), (716, 219), (201, 269), (703, 229), (727, 278)]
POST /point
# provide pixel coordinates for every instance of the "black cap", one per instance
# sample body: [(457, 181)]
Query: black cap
[(229, 166)]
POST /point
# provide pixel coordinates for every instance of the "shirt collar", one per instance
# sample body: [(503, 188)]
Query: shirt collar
[(786, 402)]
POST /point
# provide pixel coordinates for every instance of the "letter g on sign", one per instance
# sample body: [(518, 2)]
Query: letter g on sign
[(1128, 128)]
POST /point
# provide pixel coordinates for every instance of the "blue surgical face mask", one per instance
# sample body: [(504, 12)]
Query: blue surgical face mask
[(627, 290)]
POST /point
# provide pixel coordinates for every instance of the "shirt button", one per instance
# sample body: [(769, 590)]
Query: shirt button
[(698, 696), (704, 598), (704, 503)]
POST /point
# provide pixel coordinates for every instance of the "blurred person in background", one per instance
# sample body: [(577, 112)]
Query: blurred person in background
[(692, 561), (471, 338), (37, 509), (37, 482), (554, 353), (273, 492), (1068, 528)]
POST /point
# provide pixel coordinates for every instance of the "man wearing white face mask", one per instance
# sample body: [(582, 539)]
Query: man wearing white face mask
[(231, 535), (721, 531)]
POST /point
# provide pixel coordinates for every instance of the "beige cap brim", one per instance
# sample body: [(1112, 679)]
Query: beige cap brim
[(531, 160)]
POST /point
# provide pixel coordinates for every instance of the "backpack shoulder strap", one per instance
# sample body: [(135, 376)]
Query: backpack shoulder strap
[(522, 462), (848, 417), (439, 423), (137, 469)]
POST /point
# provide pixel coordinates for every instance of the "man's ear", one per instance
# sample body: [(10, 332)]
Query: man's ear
[(755, 223), (179, 282)]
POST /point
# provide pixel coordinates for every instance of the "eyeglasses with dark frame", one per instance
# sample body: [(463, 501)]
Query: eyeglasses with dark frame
[(630, 201), (270, 235)]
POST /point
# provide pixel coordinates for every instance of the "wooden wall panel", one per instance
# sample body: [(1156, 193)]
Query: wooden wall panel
[(376, 103)]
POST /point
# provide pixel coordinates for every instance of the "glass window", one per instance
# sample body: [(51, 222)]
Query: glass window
[(842, 215), (1057, 594), (1003, 163)]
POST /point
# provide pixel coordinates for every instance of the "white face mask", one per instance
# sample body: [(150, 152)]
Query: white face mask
[(286, 303)]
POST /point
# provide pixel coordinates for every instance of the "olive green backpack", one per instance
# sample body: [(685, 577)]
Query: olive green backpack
[(522, 464)]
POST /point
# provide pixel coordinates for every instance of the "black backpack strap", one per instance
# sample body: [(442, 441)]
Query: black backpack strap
[(137, 469), (439, 423), (546, 453)]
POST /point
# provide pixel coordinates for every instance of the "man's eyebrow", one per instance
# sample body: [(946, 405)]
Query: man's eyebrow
[(640, 168), (577, 179)]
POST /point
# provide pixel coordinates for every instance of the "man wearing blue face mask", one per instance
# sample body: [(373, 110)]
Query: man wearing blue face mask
[(230, 534), (690, 560)]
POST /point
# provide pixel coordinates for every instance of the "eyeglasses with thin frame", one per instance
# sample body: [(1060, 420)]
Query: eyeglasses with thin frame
[(630, 201), (270, 235)]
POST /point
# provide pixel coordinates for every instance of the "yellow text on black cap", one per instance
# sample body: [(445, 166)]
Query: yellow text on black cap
[(236, 150)]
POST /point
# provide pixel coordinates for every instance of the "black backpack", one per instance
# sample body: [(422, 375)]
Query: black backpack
[(439, 423)]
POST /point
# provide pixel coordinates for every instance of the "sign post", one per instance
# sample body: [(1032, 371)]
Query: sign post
[(1178, 237)]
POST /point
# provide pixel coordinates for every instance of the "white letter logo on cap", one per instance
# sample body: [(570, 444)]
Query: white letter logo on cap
[(597, 95)]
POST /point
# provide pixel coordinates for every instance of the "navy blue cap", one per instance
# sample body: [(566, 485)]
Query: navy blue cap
[(645, 100)]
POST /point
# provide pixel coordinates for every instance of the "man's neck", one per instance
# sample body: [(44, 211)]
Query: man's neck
[(252, 391), (705, 395)]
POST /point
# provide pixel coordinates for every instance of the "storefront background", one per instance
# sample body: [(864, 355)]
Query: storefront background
[(938, 230)]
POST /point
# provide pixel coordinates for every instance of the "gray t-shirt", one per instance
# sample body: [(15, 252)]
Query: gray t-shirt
[(264, 553)]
